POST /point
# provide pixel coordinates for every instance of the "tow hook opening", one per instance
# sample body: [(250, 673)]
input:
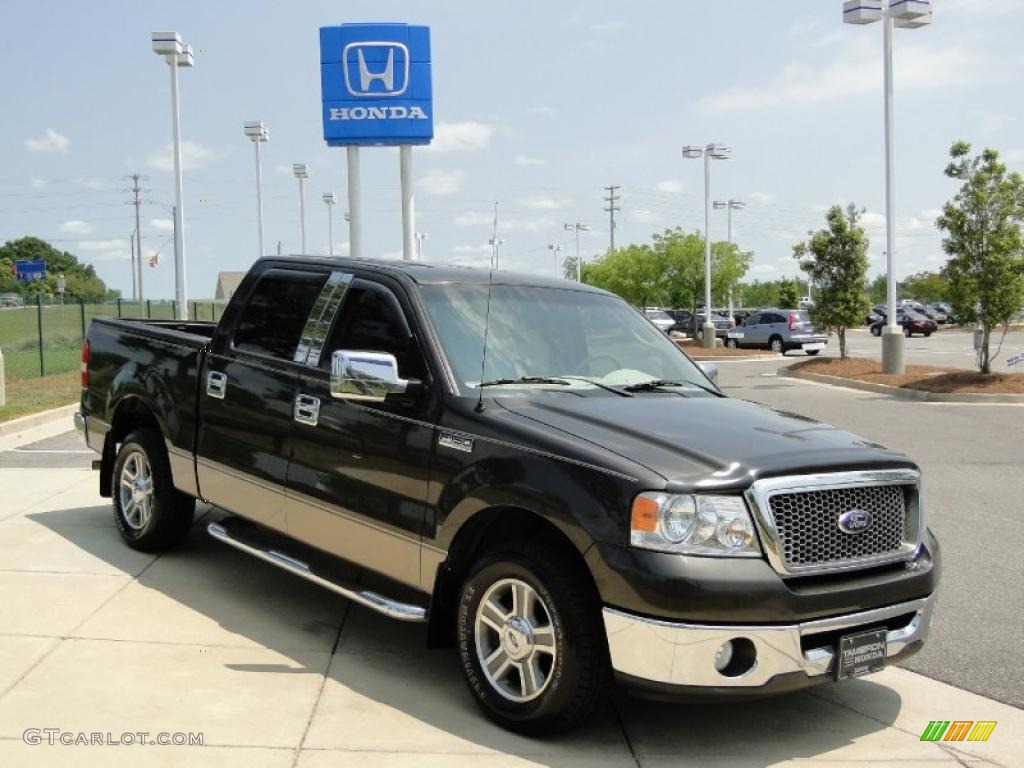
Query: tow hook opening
[(736, 657)]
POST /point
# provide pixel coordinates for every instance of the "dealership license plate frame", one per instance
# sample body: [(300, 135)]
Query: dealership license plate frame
[(812, 345), (847, 665)]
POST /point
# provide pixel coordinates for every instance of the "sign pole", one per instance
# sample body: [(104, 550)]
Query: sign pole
[(355, 207), (408, 203)]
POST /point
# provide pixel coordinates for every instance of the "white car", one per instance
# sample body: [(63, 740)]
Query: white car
[(660, 319)]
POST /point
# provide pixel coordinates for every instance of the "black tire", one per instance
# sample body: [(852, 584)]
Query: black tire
[(732, 344), (577, 676), (813, 352), (908, 333), (927, 334), (167, 513), (876, 330), (775, 344)]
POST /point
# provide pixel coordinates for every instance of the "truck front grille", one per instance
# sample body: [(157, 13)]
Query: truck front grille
[(807, 524)]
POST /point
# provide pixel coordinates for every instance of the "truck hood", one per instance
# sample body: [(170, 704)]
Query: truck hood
[(708, 442)]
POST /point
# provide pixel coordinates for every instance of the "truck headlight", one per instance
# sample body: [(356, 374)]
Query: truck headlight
[(693, 525)]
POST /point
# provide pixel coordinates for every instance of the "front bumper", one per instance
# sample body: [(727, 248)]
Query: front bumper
[(664, 655)]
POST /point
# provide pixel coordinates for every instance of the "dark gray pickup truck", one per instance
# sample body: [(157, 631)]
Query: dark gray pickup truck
[(526, 465)]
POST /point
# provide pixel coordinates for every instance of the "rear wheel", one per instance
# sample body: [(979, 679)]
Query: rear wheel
[(777, 345), (813, 352), (531, 640), (876, 330), (907, 332), (732, 344), (150, 513), (927, 334)]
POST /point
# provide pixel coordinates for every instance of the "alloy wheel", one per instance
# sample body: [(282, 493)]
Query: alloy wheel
[(136, 490)]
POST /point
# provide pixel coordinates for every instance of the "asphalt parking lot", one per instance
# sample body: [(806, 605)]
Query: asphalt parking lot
[(951, 346)]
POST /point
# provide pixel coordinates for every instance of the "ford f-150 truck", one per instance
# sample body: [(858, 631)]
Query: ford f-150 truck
[(526, 465)]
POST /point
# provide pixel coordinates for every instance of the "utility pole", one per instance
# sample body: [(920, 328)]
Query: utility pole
[(612, 208), (494, 242), (137, 201)]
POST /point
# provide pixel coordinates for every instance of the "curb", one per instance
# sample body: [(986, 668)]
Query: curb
[(902, 393), (38, 419), (733, 359)]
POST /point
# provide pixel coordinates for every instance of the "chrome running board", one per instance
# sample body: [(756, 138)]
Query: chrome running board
[(227, 530)]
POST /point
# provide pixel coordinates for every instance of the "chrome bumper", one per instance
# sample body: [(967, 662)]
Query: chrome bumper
[(684, 654), (80, 427)]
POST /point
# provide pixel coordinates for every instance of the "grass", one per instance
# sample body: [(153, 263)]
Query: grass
[(928, 378), (25, 396)]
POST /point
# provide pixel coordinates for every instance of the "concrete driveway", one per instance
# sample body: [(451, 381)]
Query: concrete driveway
[(272, 671)]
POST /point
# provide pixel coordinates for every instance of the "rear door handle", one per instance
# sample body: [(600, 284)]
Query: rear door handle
[(216, 384), (307, 409)]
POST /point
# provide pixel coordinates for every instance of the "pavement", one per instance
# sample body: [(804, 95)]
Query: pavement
[(96, 638), (949, 346)]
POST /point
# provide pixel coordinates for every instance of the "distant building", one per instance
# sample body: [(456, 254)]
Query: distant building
[(227, 284)]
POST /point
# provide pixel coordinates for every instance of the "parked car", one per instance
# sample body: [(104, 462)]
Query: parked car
[(873, 317), (943, 309), (933, 314), (660, 319), (573, 503), (11, 300), (779, 330), (739, 316), (682, 321), (722, 321), (912, 322)]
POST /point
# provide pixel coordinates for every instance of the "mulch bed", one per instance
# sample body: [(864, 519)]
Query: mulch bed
[(696, 347), (929, 378)]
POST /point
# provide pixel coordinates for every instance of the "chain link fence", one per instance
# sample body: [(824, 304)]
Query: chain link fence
[(45, 337)]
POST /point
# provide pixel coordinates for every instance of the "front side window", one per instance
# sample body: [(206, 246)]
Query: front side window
[(277, 311)]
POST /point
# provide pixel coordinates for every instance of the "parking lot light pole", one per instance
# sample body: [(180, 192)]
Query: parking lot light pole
[(554, 252), (177, 54), (906, 14), (258, 133), (709, 153), (729, 205), (301, 172), (330, 200), (420, 237), (577, 227)]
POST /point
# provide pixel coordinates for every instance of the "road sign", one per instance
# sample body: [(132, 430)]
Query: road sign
[(27, 271), (375, 85)]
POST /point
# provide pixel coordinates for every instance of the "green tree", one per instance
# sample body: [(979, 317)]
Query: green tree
[(983, 239), (926, 287), (569, 267), (836, 258), (636, 273), (789, 293), (877, 290), (81, 279)]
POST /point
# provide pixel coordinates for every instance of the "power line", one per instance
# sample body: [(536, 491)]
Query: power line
[(612, 208)]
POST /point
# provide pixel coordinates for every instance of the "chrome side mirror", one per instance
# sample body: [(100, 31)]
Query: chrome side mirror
[(365, 376), (711, 371)]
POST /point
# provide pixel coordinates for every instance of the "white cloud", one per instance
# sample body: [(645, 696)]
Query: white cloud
[(856, 69), (526, 160), (461, 250), (193, 156), (760, 198), (163, 226), (91, 184), (75, 227), (763, 270), (672, 186), (37, 183), (105, 250), (542, 109), (441, 183), (644, 216), (607, 26), (545, 203), (470, 136), (49, 141), (485, 220)]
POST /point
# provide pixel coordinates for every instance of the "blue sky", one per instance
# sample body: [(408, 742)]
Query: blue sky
[(538, 105)]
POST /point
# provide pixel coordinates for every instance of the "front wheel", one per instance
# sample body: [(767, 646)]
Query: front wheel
[(927, 334), (531, 639), (876, 330), (907, 332), (150, 513)]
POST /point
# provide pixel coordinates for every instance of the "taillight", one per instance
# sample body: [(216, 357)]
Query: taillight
[(85, 364), (792, 321)]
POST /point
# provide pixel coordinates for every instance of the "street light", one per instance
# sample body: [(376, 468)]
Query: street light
[(729, 205), (301, 172), (577, 228), (495, 247), (177, 54), (907, 14), (258, 133), (328, 198), (709, 153), (554, 252), (420, 237)]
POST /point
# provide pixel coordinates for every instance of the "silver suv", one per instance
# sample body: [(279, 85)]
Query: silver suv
[(779, 330)]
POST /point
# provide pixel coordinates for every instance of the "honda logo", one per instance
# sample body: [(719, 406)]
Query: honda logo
[(376, 69)]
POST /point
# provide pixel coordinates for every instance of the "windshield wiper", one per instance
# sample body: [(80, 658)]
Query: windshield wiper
[(655, 384), (524, 380), (598, 384)]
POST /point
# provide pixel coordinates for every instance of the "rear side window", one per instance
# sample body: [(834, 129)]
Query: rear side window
[(276, 313)]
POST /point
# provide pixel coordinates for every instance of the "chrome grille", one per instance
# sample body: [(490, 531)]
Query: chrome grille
[(807, 525)]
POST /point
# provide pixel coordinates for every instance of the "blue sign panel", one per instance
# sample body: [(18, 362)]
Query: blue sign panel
[(375, 84), (27, 271)]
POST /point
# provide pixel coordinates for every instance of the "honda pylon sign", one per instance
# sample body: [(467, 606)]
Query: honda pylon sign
[(375, 84)]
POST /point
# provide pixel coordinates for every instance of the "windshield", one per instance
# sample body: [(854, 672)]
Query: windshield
[(552, 332)]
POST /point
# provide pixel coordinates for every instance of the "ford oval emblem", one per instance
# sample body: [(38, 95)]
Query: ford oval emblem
[(855, 521)]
